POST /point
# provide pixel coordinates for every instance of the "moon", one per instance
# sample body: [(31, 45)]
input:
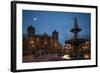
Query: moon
[(35, 19)]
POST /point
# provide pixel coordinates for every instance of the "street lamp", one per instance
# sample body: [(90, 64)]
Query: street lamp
[(31, 41)]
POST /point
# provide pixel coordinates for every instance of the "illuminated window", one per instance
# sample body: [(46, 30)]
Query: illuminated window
[(83, 47), (87, 42), (45, 42), (55, 44), (32, 45), (37, 39), (31, 42)]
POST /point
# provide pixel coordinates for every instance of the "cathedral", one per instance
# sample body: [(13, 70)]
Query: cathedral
[(39, 45)]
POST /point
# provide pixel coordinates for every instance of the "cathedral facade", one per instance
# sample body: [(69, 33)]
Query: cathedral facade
[(42, 44)]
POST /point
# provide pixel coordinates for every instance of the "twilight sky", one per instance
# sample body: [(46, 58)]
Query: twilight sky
[(48, 21)]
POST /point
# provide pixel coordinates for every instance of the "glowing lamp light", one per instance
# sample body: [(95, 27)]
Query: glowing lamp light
[(87, 42), (45, 42), (31, 42), (66, 57), (55, 44), (32, 45), (37, 39), (86, 56)]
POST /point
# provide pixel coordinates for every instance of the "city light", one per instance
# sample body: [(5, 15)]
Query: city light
[(37, 39), (86, 56), (66, 57), (31, 42), (45, 42)]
